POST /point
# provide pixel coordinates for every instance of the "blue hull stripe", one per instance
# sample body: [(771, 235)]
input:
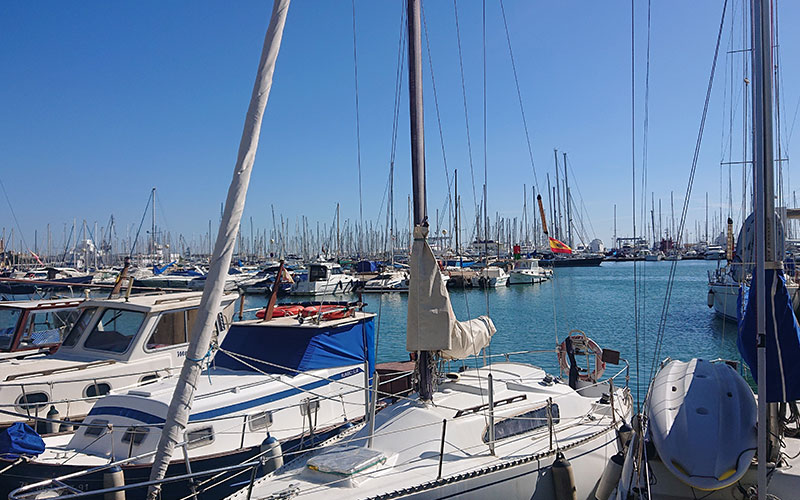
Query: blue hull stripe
[(151, 419)]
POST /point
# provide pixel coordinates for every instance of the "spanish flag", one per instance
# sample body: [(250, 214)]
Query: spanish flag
[(558, 247)]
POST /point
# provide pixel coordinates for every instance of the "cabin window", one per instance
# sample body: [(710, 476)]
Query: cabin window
[(148, 379), (260, 420), (96, 428), (8, 325), (317, 273), (170, 330), (79, 327), (95, 390), (336, 270), (135, 435), (522, 423), (48, 327), (199, 437), (115, 331), (33, 401)]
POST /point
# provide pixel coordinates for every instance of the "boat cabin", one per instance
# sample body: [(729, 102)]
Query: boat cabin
[(35, 326), (114, 344)]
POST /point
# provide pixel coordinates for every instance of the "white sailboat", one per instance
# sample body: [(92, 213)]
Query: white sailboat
[(498, 430)]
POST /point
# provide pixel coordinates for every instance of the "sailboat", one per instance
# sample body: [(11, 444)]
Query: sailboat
[(507, 429), (703, 433)]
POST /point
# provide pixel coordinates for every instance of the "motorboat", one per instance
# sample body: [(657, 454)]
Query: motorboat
[(34, 327), (388, 281), (324, 278), (281, 384), (527, 271), (114, 344), (490, 277)]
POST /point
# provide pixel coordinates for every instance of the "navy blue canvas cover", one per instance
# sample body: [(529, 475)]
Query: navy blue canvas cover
[(783, 338), (293, 349), (20, 440)]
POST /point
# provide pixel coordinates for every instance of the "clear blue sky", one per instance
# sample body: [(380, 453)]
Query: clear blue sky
[(103, 100)]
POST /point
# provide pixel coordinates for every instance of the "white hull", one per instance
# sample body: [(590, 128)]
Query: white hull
[(524, 278), (725, 299)]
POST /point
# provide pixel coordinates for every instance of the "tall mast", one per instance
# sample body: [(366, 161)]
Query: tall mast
[(153, 224), (567, 202), (558, 199), (457, 228), (425, 359), (391, 211), (764, 209)]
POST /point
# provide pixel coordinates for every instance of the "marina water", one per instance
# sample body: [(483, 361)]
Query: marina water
[(597, 300)]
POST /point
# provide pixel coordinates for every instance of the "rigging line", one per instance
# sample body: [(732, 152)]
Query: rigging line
[(633, 185), (466, 113), (14, 216), (519, 96), (449, 200), (358, 133), (645, 134), (485, 168), (141, 223), (687, 197)]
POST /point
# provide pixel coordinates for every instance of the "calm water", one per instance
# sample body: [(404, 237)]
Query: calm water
[(598, 301)]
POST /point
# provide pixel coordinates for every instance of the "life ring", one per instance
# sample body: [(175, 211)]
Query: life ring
[(582, 345), (281, 311), (328, 312)]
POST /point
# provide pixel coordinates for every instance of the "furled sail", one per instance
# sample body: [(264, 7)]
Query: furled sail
[(783, 338), (432, 324)]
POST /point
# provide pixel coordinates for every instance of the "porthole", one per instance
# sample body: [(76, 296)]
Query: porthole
[(33, 401), (96, 427), (96, 390), (199, 437), (261, 420), (135, 435)]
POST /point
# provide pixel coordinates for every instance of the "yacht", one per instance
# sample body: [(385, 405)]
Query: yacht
[(114, 344), (490, 277), (527, 271), (714, 252), (324, 278), (388, 281)]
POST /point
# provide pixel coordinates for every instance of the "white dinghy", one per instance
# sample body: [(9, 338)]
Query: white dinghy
[(702, 421)]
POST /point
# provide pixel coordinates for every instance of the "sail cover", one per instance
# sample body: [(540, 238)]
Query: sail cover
[(783, 338), (432, 324)]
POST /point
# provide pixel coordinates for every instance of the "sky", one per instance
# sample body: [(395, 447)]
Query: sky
[(101, 101)]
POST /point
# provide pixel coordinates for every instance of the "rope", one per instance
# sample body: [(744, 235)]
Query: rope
[(464, 97), (358, 133), (519, 96), (671, 279)]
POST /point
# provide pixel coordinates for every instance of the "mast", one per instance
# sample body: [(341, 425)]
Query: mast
[(559, 226), (153, 224), (567, 202), (425, 359), (391, 211), (203, 329), (457, 229), (615, 226), (765, 213)]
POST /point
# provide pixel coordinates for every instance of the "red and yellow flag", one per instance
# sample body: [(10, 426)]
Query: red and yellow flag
[(558, 247)]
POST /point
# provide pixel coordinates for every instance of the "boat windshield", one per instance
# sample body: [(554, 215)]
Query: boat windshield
[(317, 273), (115, 330), (9, 317), (79, 327)]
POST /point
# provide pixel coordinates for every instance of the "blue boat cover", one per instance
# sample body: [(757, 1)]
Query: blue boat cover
[(293, 349), (158, 270), (20, 440), (367, 266), (783, 338)]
